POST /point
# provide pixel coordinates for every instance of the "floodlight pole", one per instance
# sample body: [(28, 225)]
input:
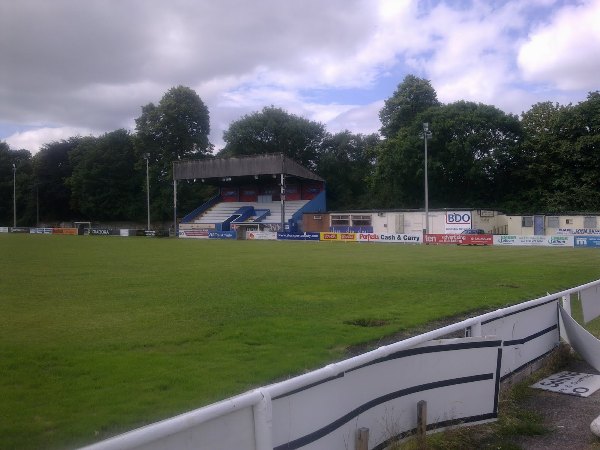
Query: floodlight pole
[(426, 135), (147, 156), (175, 203), (282, 198), (14, 196)]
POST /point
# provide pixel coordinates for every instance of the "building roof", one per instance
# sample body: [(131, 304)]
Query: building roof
[(270, 164)]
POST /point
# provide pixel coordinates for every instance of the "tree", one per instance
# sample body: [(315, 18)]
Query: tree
[(346, 162), (176, 129), (475, 149), (412, 96), (23, 183), (105, 184), (472, 154), (562, 154), (51, 168), (273, 130)]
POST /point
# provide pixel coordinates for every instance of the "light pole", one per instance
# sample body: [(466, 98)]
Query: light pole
[(14, 196), (426, 135), (147, 157)]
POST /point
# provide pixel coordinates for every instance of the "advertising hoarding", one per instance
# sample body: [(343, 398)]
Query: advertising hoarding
[(415, 238), (69, 231), (587, 241), (222, 235), (298, 236), (193, 234), (535, 241), (588, 231), (346, 237), (261, 235), (457, 221), (459, 239)]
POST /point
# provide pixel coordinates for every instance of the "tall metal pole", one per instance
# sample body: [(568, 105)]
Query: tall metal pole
[(14, 196), (175, 203), (426, 135), (147, 191), (282, 198), (37, 205)]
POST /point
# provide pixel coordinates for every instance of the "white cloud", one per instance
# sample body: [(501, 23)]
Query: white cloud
[(566, 51), (33, 140)]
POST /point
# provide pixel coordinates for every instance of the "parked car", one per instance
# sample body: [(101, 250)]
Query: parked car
[(473, 231)]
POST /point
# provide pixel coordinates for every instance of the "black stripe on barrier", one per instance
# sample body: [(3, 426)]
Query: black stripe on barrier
[(519, 311), (518, 369), (316, 435), (498, 370), (529, 338), (430, 349), (397, 355)]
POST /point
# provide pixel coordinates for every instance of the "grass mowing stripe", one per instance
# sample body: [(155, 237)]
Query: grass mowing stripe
[(102, 334)]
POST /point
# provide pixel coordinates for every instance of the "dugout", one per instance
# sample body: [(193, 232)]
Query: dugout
[(255, 193)]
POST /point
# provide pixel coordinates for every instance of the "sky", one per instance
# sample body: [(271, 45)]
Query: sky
[(86, 67)]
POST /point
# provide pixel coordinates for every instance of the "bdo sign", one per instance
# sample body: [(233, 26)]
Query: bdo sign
[(457, 221)]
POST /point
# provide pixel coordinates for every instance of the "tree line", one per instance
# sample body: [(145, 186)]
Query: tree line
[(547, 160)]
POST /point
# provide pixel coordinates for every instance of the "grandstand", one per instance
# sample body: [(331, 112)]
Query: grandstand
[(263, 192)]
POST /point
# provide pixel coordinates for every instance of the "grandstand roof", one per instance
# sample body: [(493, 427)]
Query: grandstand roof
[(271, 164)]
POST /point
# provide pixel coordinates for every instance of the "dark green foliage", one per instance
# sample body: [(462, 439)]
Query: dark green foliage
[(274, 130), (176, 129), (106, 179), (413, 96), (346, 162), (52, 167)]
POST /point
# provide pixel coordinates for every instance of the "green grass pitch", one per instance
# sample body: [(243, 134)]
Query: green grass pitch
[(99, 335)]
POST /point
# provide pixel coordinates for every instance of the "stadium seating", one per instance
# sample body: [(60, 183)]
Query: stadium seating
[(222, 212)]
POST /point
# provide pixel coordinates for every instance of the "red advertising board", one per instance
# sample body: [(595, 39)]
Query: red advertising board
[(459, 239)]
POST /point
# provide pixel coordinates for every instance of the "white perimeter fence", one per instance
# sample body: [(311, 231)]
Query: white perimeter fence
[(458, 378)]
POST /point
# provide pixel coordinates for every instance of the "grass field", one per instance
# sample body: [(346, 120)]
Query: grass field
[(102, 334)]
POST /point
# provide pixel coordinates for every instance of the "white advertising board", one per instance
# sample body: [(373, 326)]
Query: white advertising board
[(456, 377), (261, 235), (414, 238), (526, 335), (580, 339), (457, 221), (590, 303), (572, 383), (3, 229), (584, 231), (535, 241)]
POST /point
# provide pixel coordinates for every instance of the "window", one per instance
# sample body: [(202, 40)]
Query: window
[(589, 222), (527, 221), (361, 221), (553, 222), (340, 221)]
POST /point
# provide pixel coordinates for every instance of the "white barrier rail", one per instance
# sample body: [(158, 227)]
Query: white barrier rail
[(459, 378)]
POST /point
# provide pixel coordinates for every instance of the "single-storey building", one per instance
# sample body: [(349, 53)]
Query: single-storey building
[(448, 221)]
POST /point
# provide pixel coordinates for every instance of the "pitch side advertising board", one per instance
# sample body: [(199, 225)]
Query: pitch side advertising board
[(297, 236), (3, 229), (457, 221), (346, 237), (222, 235), (535, 241), (386, 237), (193, 234), (261, 235), (587, 241), (459, 239)]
